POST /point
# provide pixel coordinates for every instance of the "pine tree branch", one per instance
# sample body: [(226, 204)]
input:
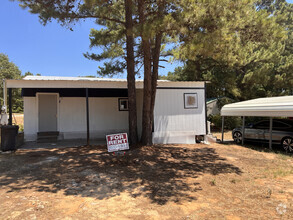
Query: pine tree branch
[(98, 17)]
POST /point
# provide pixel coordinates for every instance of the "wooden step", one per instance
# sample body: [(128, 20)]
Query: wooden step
[(47, 140), (48, 137), (48, 133)]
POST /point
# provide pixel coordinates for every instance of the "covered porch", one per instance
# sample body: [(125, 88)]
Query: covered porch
[(63, 111), (61, 144)]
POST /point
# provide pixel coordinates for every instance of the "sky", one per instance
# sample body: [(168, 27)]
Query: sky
[(50, 50)]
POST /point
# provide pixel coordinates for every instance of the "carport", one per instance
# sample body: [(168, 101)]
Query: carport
[(261, 107)]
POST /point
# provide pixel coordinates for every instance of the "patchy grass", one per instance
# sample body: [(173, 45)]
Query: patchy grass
[(283, 156), (213, 182), (281, 172), (162, 181)]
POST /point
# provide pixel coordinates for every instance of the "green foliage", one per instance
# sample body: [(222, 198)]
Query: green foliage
[(8, 70), (112, 43), (111, 35), (213, 182), (111, 69), (230, 122), (243, 48), (232, 32), (28, 73), (21, 128)]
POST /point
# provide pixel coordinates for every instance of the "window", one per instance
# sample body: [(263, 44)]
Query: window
[(280, 125), (262, 125), (123, 104), (190, 100)]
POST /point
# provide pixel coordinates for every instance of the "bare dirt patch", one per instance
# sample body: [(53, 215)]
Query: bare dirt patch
[(17, 118), (166, 182), (227, 135)]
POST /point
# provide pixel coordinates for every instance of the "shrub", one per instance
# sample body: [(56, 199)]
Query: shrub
[(20, 128), (230, 122)]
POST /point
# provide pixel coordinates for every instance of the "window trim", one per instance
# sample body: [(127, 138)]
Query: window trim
[(196, 100), (119, 106)]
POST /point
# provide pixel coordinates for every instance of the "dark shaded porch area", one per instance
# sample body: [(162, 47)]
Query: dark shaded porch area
[(61, 144)]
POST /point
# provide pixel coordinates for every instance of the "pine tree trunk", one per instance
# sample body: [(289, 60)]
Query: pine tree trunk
[(146, 137), (132, 115), (156, 57)]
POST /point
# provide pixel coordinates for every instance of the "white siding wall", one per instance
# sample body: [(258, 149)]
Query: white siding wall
[(139, 103), (30, 123), (173, 123), (105, 117), (212, 108)]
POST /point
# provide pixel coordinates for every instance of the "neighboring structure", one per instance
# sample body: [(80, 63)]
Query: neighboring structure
[(62, 105), (212, 106)]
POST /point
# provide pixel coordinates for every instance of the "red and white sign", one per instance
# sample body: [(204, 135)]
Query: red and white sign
[(116, 142)]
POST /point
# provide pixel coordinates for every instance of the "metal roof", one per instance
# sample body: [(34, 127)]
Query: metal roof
[(264, 107), (89, 82), (66, 78)]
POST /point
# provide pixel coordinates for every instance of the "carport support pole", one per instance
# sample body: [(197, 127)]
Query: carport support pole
[(87, 118), (223, 121), (10, 106), (243, 129), (271, 131)]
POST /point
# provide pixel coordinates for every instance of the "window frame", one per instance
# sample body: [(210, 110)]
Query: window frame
[(119, 104), (262, 128), (196, 100), (285, 125)]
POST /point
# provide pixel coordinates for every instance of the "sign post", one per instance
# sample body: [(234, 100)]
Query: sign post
[(117, 142)]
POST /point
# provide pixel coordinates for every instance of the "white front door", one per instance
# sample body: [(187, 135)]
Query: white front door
[(47, 112)]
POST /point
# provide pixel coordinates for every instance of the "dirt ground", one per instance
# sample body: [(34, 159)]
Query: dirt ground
[(227, 135), (17, 118), (160, 182)]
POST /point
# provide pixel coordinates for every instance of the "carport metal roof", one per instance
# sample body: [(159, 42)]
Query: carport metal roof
[(263, 107)]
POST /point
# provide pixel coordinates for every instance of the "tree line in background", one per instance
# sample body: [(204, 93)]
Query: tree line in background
[(8, 70), (242, 47), (259, 63)]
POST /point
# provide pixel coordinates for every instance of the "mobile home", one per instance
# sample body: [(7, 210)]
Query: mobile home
[(61, 105)]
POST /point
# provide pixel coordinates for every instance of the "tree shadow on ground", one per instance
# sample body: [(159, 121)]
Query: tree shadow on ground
[(161, 173)]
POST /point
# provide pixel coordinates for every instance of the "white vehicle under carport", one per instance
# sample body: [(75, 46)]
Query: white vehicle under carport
[(282, 133)]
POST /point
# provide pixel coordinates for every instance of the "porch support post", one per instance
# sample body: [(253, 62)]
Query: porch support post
[(243, 129), (271, 131), (87, 118), (4, 96), (223, 121), (10, 106)]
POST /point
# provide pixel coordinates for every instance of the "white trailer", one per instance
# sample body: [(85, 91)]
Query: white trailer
[(59, 104)]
